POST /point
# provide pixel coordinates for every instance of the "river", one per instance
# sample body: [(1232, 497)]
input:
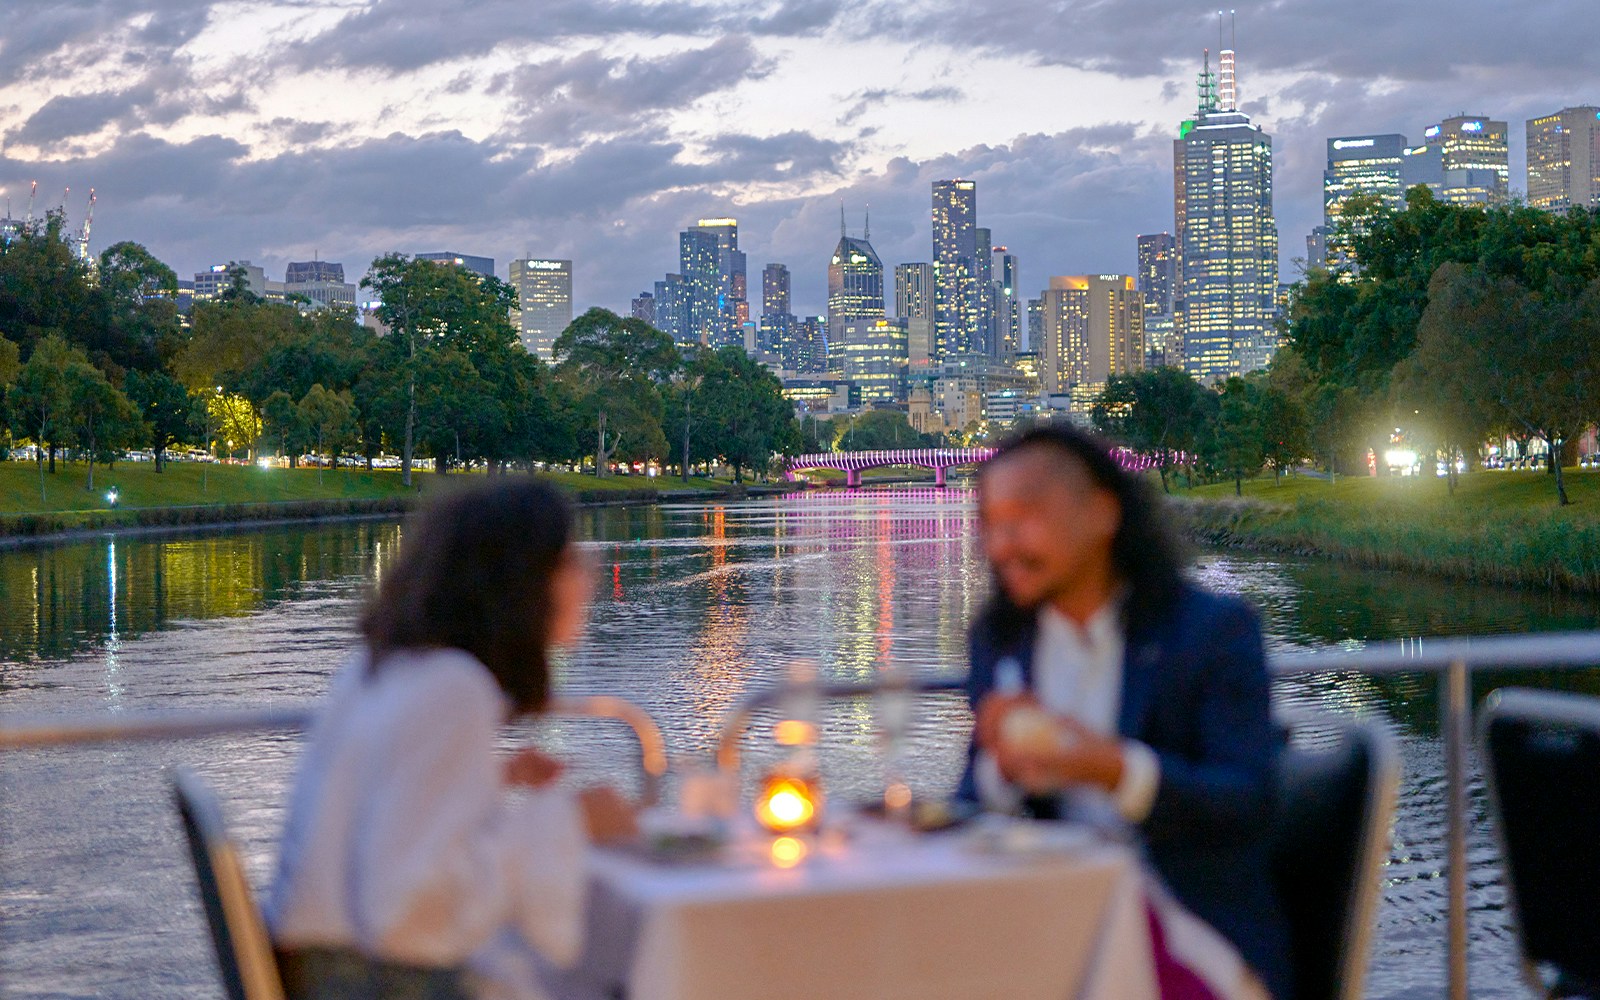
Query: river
[(697, 605)]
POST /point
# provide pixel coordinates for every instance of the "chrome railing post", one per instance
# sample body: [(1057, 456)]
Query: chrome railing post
[(1455, 720)]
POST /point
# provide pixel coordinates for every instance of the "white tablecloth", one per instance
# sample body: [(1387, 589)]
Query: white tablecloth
[(881, 917)]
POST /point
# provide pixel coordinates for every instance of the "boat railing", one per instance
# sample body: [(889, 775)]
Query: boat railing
[(1452, 660), (25, 732)]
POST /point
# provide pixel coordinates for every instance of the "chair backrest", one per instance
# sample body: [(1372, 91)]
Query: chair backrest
[(1335, 806), (244, 951), (1542, 762)]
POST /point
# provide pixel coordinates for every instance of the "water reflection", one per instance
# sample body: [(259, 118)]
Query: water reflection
[(696, 605)]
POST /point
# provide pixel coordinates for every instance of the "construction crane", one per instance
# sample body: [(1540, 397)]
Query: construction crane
[(83, 231)]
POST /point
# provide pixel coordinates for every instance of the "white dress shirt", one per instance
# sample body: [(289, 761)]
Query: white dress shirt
[(402, 840), (1077, 673)]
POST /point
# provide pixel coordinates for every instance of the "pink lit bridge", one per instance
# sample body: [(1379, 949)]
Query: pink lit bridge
[(940, 460)]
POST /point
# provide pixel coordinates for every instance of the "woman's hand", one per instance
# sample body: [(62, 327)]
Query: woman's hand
[(532, 768), (607, 815)]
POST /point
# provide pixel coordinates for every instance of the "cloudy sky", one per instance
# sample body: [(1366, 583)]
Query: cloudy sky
[(596, 129)]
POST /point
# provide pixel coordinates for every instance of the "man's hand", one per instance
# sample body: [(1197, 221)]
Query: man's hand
[(1079, 757), (992, 711), (532, 768)]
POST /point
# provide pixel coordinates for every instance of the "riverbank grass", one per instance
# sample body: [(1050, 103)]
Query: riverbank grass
[(1498, 526), (183, 484)]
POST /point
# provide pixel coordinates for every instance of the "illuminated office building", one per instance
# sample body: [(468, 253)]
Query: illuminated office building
[(1365, 167), (913, 302), (811, 345), (1227, 240), (1564, 159), (1093, 329), (855, 283), (956, 300), (729, 307), (1476, 144), (704, 321), (544, 292), (777, 320), (872, 354), (1157, 281), (1006, 326), (984, 338), (671, 305)]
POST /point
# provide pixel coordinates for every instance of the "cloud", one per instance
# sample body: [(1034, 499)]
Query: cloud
[(397, 36), (866, 100), (564, 100)]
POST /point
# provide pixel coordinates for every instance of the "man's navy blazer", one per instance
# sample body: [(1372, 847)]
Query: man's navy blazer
[(1195, 691)]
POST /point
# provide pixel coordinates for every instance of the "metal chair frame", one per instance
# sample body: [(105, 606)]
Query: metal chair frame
[(1577, 710), (245, 960)]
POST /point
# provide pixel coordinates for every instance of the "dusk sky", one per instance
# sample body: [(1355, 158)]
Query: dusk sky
[(597, 129)]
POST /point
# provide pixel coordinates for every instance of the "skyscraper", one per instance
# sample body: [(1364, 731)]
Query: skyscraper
[(984, 340), (1007, 323), (1470, 143), (871, 353), (544, 294), (955, 248), (702, 300), (1157, 281), (672, 309), (1366, 167), (1227, 239), (777, 319), (811, 345), (855, 283), (644, 307), (1093, 329), (913, 302), (1564, 159), (732, 299)]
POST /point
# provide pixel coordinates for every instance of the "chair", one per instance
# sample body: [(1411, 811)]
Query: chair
[(244, 952), (1331, 839), (1542, 762)]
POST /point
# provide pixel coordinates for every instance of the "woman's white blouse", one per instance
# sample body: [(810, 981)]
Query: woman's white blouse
[(402, 840)]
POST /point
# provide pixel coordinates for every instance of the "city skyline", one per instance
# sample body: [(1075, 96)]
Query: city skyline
[(593, 134)]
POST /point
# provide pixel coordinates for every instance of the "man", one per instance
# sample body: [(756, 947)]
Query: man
[(1156, 691)]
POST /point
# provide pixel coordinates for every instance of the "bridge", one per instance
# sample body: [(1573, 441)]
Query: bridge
[(940, 460)]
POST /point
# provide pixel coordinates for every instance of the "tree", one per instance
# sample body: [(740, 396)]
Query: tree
[(102, 419), (284, 421), (1233, 444), (431, 305), (10, 367), (615, 367), (1522, 354), (331, 419), (877, 430), (141, 300), (1156, 413), (744, 417), (163, 404), (1284, 424), (39, 401)]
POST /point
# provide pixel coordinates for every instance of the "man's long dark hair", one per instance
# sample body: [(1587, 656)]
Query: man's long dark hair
[(474, 574), (1146, 557)]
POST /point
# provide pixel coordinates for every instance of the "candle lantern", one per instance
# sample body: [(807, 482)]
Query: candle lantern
[(787, 803)]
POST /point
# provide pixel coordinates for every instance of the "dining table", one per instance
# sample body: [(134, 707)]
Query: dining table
[(1020, 910)]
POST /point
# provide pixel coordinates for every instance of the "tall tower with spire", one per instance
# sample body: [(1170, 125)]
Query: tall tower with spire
[(855, 281), (1226, 235)]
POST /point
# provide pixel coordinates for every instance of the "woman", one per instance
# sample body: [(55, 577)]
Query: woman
[(414, 853)]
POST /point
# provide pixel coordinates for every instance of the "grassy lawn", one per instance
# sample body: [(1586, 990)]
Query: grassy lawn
[(1498, 526), (184, 484)]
